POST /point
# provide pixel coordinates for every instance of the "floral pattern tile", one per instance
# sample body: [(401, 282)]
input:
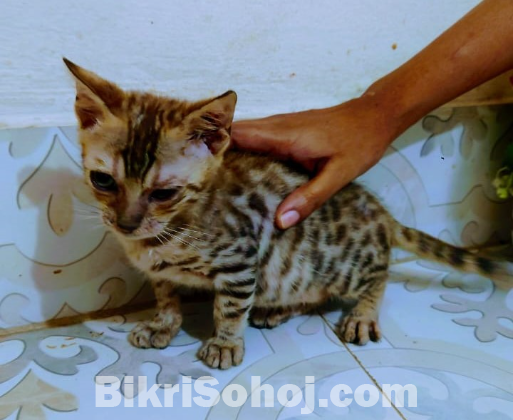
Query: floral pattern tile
[(443, 394), (58, 368), (453, 368), (447, 333)]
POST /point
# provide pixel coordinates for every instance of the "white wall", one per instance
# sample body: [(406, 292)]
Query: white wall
[(278, 55)]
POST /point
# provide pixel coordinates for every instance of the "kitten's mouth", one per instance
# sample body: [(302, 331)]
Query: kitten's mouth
[(140, 232)]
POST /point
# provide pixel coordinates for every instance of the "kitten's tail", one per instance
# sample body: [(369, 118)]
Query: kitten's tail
[(433, 249)]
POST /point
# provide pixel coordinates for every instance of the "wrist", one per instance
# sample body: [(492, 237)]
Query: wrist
[(398, 111), (387, 110)]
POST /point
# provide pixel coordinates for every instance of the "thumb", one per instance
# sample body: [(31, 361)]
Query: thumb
[(312, 195)]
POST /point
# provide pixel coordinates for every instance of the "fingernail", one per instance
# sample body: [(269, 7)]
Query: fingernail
[(289, 218)]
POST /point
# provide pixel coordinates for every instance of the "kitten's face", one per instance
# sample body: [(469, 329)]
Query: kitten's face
[(147, 157)]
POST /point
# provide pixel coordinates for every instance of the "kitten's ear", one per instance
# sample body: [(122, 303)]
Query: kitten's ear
[(212, 122), (96, 97)]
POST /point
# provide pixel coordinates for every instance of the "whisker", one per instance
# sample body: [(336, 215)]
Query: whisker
[(97, 216), (180, 239), (88, 206), (183, 233), (82, 217), (160, 240), (92, 225), (83, 209), (169, 236), (198, 231), (79, 211)]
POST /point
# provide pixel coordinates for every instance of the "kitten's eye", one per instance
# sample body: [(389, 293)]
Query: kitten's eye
[(102, 181), (163, 195)]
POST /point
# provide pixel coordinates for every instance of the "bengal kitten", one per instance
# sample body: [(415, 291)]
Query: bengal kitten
[(191, 213)]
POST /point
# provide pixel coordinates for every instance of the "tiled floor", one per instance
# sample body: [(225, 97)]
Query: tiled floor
[(448, 334)]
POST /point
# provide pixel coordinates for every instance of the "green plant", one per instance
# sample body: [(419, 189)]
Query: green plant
[(503, 181)]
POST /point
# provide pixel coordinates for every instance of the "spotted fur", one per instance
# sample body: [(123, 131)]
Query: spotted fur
[(215, 230)]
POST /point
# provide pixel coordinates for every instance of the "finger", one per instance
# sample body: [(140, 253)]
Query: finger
[(260, 136), (310, 196)]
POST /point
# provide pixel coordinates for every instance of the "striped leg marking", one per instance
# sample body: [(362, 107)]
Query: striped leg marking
[(166, 323), (232, 303)]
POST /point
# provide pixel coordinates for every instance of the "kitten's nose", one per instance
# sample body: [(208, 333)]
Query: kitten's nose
[(128, 225)]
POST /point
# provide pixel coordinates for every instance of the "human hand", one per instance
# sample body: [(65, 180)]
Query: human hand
[(337, 144)]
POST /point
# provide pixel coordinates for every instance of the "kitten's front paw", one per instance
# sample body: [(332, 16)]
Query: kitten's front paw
[(359, 329), (146, 335), (222, 354)]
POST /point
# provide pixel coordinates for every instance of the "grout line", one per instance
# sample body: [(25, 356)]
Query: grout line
[(376, 383), (75, 319)]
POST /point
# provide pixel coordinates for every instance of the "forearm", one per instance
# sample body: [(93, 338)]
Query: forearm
[(346, 140), (474, 50)]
